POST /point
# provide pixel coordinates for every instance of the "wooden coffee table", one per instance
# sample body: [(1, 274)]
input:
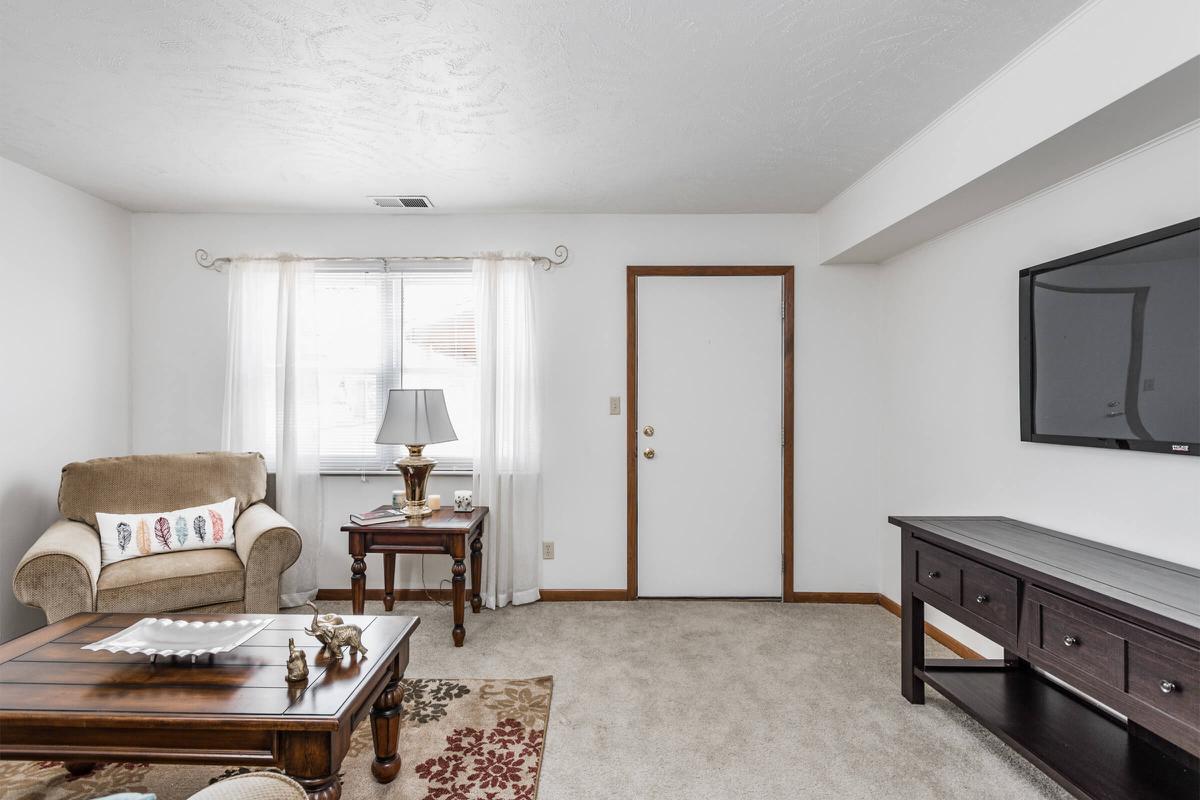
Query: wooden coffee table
[(58, 702)]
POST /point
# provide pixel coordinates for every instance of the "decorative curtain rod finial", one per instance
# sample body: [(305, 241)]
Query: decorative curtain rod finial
[(562, 253), (208, 262)]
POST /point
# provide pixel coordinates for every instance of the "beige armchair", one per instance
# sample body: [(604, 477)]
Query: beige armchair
[(61, 572), (246, 786), (253, 786)]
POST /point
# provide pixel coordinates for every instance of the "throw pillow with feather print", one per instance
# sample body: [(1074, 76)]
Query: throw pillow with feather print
[(133, 535)]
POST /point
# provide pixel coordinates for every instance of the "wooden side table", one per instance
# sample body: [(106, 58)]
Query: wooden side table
[(442, 532)]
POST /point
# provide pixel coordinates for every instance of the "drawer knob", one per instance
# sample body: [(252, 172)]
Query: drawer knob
[(933, 573), (1070, 641), (981, 598), (1167, 686)]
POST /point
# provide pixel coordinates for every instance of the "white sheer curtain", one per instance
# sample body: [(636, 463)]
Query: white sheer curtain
[(508, 474), (271, 402)]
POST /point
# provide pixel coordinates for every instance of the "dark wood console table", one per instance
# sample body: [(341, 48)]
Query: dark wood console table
[(1117, 626), (442, 532)]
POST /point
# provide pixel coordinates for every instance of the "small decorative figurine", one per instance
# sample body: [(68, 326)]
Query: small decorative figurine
[(331, 631), (297, 664)]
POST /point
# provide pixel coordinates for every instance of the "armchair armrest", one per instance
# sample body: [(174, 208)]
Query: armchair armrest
[(267, 544), (58, 573)]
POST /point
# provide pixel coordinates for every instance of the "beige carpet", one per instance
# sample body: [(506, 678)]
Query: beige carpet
[(663, 700), (458, 739), (682, 700)]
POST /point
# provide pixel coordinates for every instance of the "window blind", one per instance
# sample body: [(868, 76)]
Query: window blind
[(404, 329)]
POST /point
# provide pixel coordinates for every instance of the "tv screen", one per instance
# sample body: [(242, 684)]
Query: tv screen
[(1110, 345)]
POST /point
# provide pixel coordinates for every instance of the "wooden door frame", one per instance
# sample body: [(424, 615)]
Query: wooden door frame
[(632, 273)]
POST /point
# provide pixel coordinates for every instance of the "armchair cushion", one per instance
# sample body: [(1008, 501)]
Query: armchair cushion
[(171, 581), (58, 574), (145, 484)]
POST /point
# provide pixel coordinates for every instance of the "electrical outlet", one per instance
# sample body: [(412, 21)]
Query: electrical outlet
[(548, 550), (614, 406)]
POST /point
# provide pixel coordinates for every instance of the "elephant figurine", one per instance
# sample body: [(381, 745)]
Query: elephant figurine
[(297, 663), (331, 631)]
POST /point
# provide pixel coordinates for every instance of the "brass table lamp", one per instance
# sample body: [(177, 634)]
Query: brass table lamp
[(415, 418)]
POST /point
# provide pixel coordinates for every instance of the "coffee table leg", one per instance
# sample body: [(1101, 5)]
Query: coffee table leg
[(311, 761), (389, 581), (78, 768), (385, 728), (476, 573), (320, 788), (458, 584)]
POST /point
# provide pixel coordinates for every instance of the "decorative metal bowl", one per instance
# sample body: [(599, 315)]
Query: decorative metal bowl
[(180, 637)]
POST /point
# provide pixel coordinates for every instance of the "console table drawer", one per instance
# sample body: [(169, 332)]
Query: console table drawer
[(990, 595), (938, 570), (1078, 638), (1166, 676)]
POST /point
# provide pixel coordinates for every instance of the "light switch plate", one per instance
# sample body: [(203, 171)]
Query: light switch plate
[(548, 550), (614, 406)]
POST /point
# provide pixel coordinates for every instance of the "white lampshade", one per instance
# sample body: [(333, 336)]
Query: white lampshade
[(415, 416)]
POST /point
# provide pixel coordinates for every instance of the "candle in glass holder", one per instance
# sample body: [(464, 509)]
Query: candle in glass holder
[(435, 501), (398, 498)]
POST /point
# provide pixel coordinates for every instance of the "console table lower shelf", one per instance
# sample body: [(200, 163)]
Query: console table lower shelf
[(1086, 751)]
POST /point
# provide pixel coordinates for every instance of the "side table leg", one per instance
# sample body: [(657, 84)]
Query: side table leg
[(458, 585), (358, 573), (389, 581), (385, 728), (476, 573), (358, 584)]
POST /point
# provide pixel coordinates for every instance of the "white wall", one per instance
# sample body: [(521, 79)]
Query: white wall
[(906, 373), (950, 348), (581, 311), (64, 324)]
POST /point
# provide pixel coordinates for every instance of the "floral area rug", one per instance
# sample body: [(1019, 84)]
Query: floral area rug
[(459, 740)]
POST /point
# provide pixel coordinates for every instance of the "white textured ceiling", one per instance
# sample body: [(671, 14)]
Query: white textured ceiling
[(513, 105)]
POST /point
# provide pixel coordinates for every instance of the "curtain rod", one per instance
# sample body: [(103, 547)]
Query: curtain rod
[(215, 264)]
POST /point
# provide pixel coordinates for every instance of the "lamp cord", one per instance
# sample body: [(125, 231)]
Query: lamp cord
[(426, 588)]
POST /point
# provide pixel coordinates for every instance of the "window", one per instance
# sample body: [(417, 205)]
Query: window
[(404, 329)]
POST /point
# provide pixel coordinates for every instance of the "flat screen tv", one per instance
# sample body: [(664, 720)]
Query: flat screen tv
[(1110, 345)]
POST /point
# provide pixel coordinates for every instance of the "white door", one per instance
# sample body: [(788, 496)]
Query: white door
[(709, 383)]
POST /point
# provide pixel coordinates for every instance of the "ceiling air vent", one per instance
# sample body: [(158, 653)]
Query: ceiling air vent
[(402, 201)]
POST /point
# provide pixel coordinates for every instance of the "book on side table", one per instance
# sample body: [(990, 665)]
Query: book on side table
[(378, 516)]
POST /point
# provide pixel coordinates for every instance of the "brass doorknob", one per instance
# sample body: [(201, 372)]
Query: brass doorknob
[(648, 452), (648, 430)]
